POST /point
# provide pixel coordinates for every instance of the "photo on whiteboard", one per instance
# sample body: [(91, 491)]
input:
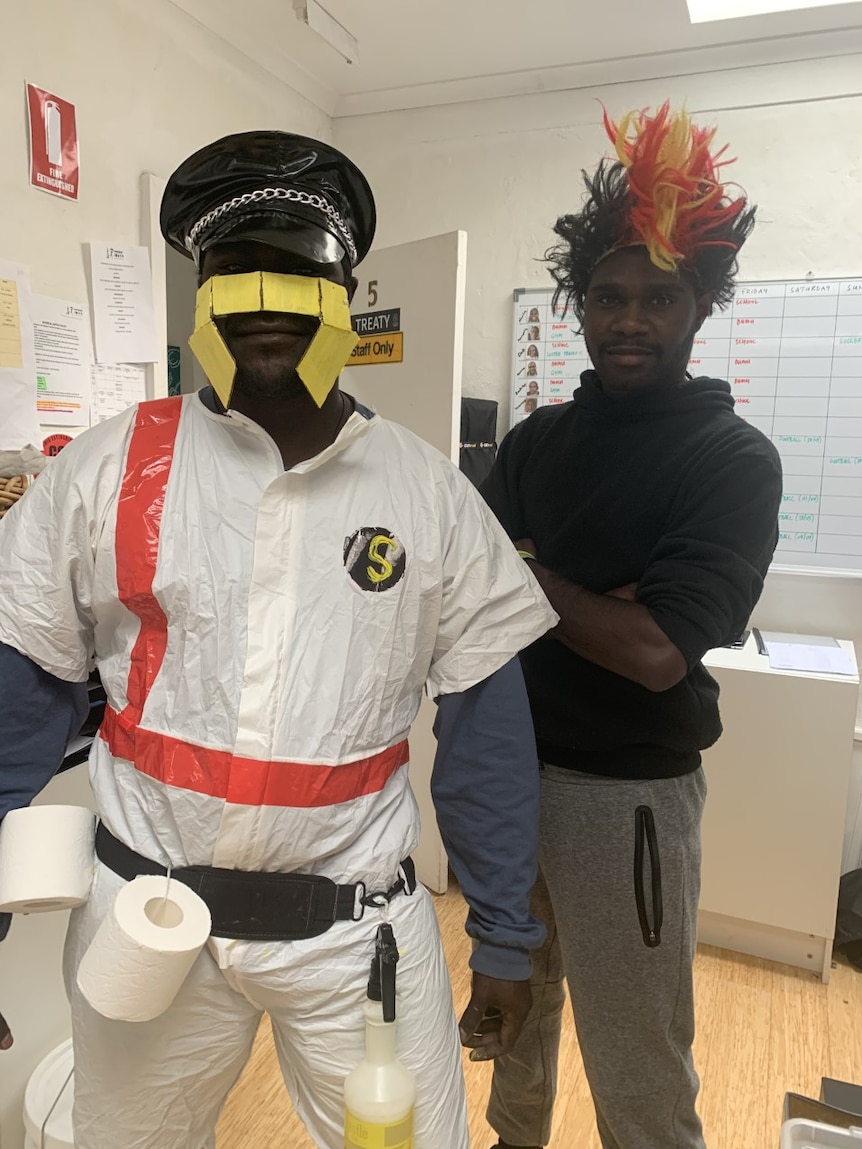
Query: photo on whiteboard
[(532, 351), (525, 407), (532, 369)]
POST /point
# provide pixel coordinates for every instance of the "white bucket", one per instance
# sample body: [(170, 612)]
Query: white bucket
[(50, 1091)]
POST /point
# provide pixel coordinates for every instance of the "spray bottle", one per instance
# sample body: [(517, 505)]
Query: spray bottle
[(379, 1093)]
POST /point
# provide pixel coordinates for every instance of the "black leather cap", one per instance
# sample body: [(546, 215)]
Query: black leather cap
[(275, 187)]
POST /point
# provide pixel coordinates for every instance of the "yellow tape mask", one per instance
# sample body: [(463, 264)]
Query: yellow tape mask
[(328, 351)]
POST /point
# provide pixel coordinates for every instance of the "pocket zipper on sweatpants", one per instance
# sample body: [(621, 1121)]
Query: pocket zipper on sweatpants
[(645, 832)]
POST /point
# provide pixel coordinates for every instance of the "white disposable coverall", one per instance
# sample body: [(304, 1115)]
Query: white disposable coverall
[(264, 655)]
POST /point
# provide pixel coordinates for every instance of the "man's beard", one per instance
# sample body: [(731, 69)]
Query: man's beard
[(273, 382)]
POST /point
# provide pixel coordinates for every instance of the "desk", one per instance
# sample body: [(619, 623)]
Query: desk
[(774, 823)]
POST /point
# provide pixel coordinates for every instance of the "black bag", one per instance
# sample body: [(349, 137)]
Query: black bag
[(478, 438), (848, 928)]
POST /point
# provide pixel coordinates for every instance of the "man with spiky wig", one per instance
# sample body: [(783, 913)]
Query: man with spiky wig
[(647, 509)]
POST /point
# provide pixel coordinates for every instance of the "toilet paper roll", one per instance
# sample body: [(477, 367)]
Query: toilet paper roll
[(47, 858), (144, 949)]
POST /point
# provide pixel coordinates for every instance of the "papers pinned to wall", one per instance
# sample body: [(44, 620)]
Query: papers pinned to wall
[(115, 387), (62, 362), (124, 323), (19, 426)]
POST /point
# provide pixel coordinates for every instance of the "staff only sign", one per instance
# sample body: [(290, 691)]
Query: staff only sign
[(381, 340), (53, 143)]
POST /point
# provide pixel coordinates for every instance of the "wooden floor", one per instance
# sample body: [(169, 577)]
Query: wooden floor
[(763, 1029)]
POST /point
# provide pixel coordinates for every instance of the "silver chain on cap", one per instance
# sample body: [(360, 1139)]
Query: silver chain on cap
[(261, 196)]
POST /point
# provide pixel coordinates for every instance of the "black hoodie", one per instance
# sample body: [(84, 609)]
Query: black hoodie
[(671, 491)]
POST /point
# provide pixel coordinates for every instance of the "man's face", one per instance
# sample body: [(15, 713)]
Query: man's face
[(640, 322), (267, 345)]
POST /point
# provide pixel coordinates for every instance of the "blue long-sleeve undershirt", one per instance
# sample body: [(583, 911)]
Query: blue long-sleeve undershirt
[(485, 788)]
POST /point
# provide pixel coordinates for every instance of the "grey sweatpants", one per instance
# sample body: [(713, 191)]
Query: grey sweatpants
[(633, 1003)]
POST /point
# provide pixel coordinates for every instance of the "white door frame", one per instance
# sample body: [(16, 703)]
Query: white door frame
[(152, 189)]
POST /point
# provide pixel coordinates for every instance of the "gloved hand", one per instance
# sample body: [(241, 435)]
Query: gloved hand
[(494, 1016), (5, 1034)]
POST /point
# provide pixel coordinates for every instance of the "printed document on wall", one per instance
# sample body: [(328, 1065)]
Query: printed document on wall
[(123, 314), (19, 426), (116, 387), (62, 362)]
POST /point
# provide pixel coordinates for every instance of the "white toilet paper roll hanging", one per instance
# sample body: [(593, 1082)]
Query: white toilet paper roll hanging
[(144, 949), (47, 858)]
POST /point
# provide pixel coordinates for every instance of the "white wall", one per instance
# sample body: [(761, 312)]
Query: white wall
[(504, 169), (150, 86)]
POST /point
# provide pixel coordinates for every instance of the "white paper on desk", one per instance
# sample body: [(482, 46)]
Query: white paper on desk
[(124, 321), (116, 387), (62, 362), (819, 659), (19, 424)]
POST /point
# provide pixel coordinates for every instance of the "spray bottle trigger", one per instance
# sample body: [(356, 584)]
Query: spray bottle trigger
[(383, 971)]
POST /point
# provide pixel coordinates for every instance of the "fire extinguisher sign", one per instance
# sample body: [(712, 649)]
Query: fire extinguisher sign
[(53, 143)]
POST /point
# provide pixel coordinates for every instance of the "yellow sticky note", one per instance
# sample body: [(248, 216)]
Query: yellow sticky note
[(204, 304), (11, 353), (326, 355), (237, 294), (291, 294), (218, 364), (334, 307)]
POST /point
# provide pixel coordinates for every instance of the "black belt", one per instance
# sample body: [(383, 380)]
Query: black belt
[(260, 906)]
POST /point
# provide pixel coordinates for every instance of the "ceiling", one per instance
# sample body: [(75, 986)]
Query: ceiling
[(416, 53)]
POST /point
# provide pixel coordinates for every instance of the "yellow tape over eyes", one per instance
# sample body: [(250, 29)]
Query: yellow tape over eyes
[(328, 351)]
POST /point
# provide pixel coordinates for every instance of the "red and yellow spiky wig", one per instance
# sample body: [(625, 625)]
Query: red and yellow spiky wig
[(677, 201), (663, 192)]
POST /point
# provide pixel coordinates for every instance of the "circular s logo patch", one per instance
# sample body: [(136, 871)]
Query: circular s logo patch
[(374, 558)]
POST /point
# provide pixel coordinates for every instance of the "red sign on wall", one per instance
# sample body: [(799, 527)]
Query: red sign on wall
[(54, 444), (53, 143)]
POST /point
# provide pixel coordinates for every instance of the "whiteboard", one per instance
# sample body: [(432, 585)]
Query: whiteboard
[(548, 355), (792, 353)]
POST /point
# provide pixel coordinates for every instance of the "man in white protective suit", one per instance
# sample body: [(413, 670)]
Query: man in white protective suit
[(267, 576)]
